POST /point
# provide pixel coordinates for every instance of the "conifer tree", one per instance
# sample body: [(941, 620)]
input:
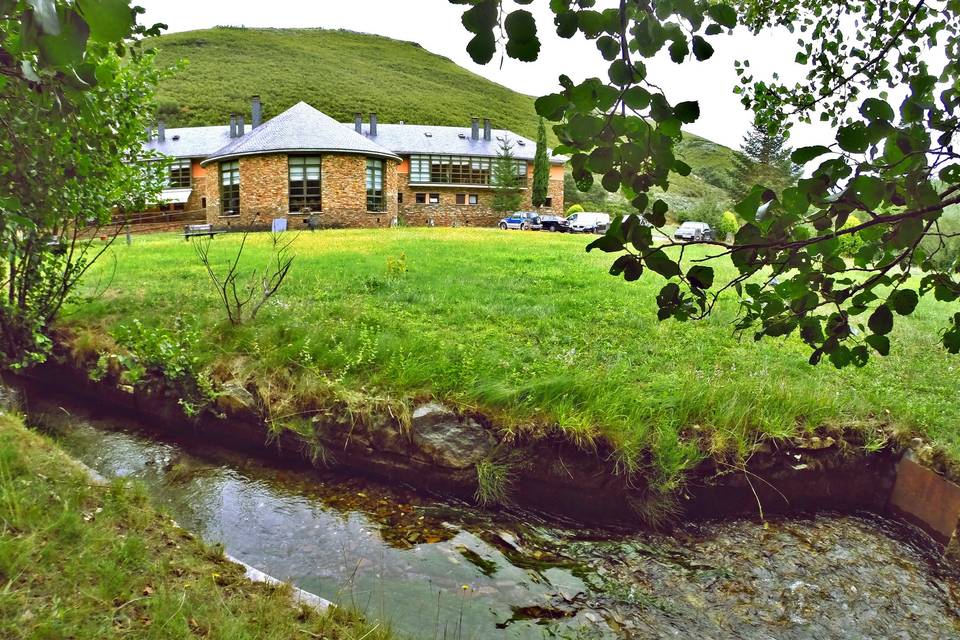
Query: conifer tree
[(764, 159), (541, 169), (506, 185)]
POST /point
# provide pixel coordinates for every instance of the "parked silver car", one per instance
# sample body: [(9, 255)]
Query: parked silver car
[(693, 232)]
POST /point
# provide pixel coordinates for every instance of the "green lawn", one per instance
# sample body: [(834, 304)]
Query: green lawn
[(531, 330), (80, 560)]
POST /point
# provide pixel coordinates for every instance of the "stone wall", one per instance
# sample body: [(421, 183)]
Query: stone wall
[(195, 201), (449, 213), (264, 190)]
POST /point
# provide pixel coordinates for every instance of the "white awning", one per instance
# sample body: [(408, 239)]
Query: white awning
[(175, 196)]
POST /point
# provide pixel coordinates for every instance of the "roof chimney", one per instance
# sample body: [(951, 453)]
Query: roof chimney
[(487, 131), (474, 128), (241, 126), (373, 125), (161, 131), (233, 125), (358, 122), (256, 112)]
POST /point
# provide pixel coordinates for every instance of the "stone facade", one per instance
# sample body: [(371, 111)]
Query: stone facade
[(264, 196), (448, 213), (264, 189)]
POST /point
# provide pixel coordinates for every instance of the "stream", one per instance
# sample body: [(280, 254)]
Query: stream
[(433, 567)]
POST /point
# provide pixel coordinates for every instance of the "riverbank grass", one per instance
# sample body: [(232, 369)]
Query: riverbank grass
[(82, 560), (526, 328)]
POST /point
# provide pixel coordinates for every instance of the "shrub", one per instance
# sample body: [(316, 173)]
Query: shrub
[(728, 224), (850, 243), (574, 208), (704, 211)]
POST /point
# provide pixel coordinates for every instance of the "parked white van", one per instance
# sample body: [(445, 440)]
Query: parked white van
[(588, 221)]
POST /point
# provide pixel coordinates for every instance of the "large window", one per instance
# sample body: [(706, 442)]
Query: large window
[(375, 200), (179, 175), (230, 188), (304, 183), (430, 169)]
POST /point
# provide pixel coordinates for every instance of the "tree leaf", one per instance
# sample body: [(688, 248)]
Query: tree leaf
[(804, 155), (723, 14), (687, 111), (876, 109), (661, 263), (679, 49), (903, 301), (551, 106), (700, 276), (109, 20), (881, 320), (481, 17), (67, 47), (702, 49), (880, 343), (606, 243), (853, 138), (482, 47)]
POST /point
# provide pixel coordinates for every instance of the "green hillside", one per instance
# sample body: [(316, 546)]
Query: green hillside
[(341, 72), (338, 72)]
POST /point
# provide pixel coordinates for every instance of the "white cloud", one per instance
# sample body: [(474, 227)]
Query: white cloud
[(435, 24)]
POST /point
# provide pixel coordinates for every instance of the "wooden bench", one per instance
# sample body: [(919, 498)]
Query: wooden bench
[(195, 230)]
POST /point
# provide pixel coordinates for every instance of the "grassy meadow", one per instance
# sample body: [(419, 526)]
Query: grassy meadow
[(526, 328), (81, 560)]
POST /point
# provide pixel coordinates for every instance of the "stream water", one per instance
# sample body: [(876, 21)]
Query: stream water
[(437, 568)]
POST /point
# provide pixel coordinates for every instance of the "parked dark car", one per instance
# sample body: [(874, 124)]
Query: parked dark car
[(551, 222)]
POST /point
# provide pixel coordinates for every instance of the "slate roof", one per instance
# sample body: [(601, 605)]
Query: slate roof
[(300, 128), (405, 139), (303, 128), (191, 142)]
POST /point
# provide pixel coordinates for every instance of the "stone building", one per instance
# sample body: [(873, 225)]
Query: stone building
[(305, 165)]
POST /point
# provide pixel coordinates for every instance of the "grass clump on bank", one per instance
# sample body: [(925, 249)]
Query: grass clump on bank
[(81, 560), (527, 329)]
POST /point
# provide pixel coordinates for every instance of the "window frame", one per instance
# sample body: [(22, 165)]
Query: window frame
[(461, 199), (179, 169), (428, 168), (300, 193), (420, 198), (374, 177), (473, 199), (433, 199), (231, 168)]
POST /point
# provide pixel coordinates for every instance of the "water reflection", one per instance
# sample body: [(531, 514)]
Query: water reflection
[(444, 569)]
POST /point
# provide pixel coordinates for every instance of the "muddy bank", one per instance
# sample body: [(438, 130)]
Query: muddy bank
[(439, 450), (436, 566)]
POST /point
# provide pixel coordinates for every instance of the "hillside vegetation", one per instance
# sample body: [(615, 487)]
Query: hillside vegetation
[(342, 72)]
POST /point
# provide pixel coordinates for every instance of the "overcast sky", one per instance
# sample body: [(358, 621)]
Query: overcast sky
[(435, 24)]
